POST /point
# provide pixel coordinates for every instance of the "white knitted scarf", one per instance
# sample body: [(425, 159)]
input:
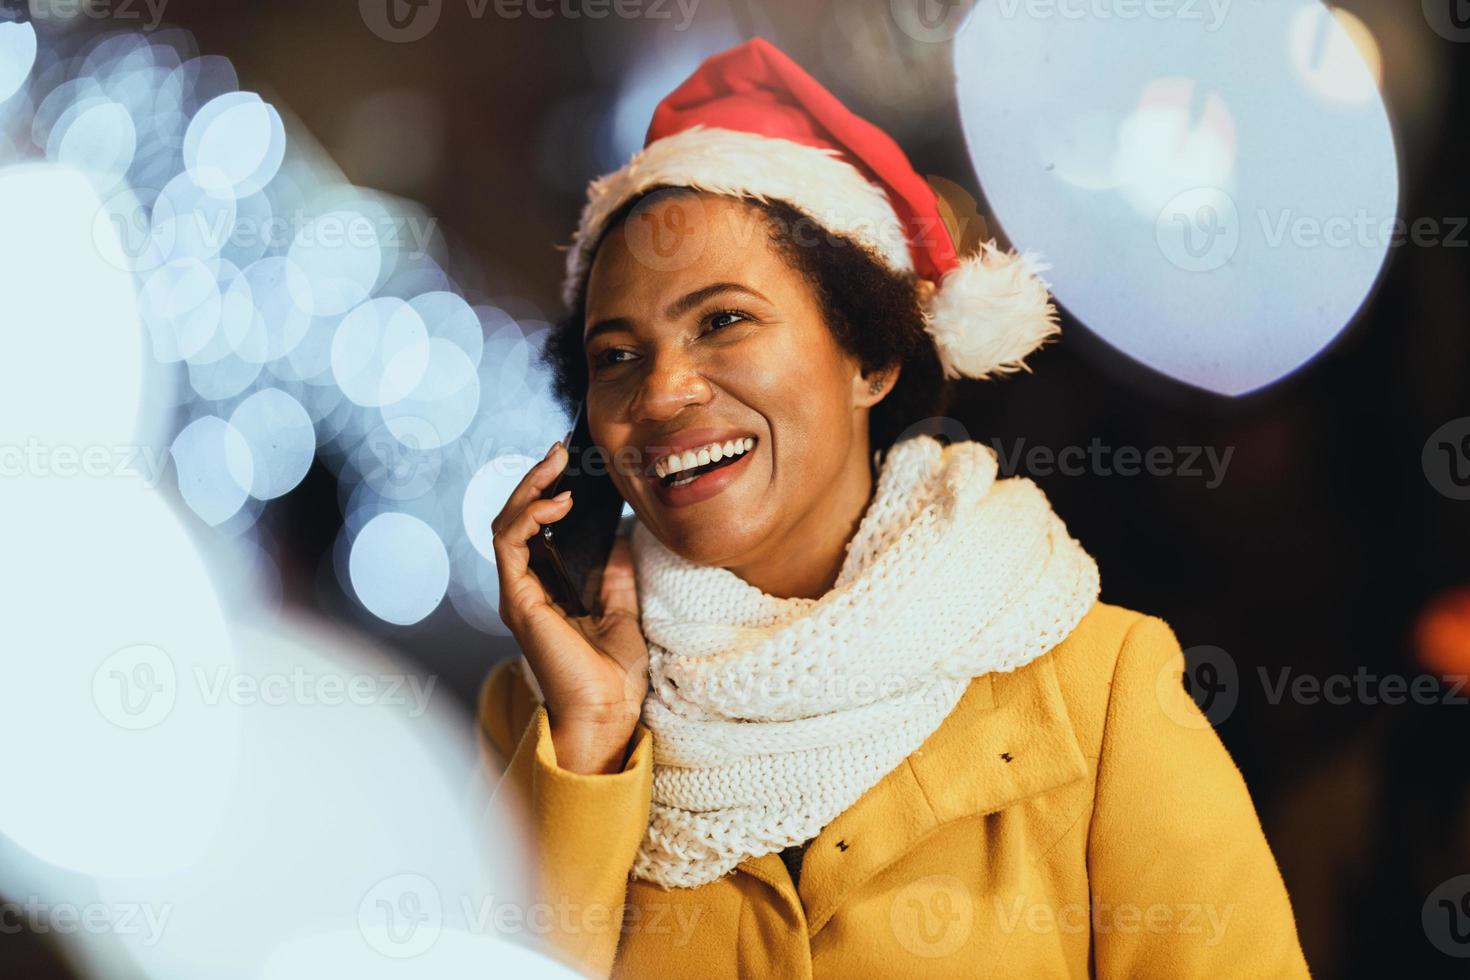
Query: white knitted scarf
[(772, 716)]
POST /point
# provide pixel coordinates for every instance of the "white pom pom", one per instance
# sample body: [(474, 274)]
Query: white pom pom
[(990, 313)]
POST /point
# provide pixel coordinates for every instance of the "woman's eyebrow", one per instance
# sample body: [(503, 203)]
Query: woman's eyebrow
[(675, 309), (689, 301)]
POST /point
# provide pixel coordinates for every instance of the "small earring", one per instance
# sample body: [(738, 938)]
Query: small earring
[(876, 385)]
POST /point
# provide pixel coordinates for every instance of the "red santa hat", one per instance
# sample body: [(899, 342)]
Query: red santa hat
[(751, 123)]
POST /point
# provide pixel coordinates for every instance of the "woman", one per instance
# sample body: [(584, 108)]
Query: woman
[(851, 706)]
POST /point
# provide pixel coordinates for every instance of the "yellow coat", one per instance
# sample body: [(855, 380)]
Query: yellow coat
[(1077, 817)]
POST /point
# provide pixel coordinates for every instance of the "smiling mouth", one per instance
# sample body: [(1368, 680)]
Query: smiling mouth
[(688, 475)]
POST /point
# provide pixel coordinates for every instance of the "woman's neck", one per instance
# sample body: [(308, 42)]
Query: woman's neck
[(806, 560)]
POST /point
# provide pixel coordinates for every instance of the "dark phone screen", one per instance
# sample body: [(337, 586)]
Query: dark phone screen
[(568, 556)]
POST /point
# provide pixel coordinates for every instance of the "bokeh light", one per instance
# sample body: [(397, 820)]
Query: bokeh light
[(215, 468), (293, 316), (380, 351), (235, 144), (281, 439), (1195, 165), (17, 55), (399, 568)]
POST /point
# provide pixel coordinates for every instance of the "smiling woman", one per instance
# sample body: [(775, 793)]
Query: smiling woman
[(800, 343), (850, 705)]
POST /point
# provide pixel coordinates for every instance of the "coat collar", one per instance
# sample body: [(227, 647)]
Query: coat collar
[(1008, 739)]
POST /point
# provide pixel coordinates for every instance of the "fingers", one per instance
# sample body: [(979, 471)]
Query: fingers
[(520, 590), (619, 583), (532, 485)]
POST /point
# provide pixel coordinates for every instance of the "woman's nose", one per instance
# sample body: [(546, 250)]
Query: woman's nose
[(672, 384)]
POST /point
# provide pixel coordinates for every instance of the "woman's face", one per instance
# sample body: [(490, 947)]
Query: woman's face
[(700, 333)]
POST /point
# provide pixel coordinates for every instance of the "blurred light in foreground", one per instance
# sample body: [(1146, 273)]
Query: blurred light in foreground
[(399, 568), (1331, 60), (17, 55), (453, 955), (318, 318), (110, 619), (56, 386), (83, 528), (354, 787), (246, 794), (1215, 196)]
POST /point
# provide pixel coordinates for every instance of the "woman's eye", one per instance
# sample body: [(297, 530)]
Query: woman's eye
[(725, 318), (612, 356)]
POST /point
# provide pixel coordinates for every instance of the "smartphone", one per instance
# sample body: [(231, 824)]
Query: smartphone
[(568, 556)]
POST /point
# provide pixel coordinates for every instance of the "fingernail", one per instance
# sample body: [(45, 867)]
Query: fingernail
[(562, 497), (554, 447)]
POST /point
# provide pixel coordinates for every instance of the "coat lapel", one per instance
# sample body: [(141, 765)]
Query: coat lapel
[(1008, 739)]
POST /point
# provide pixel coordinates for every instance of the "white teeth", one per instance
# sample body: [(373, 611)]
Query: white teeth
[(688, 460)]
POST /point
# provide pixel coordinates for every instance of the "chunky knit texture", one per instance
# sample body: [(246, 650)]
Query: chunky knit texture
[(772, 716)]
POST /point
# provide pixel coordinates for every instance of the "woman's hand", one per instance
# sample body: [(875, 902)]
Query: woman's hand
[(592, 670)]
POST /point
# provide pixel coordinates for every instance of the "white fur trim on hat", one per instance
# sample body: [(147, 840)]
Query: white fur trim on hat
[(985, 317), (989, 313), (737, 164)]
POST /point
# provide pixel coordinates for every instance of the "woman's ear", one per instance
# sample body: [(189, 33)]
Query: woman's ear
[(872, 387)]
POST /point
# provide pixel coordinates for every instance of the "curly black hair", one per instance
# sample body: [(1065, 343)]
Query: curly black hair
[(872, 311)]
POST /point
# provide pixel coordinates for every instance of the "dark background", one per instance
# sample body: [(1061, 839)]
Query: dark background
[(1320, 550)]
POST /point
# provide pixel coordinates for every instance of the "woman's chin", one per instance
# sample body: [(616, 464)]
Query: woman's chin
[(705, 539)]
